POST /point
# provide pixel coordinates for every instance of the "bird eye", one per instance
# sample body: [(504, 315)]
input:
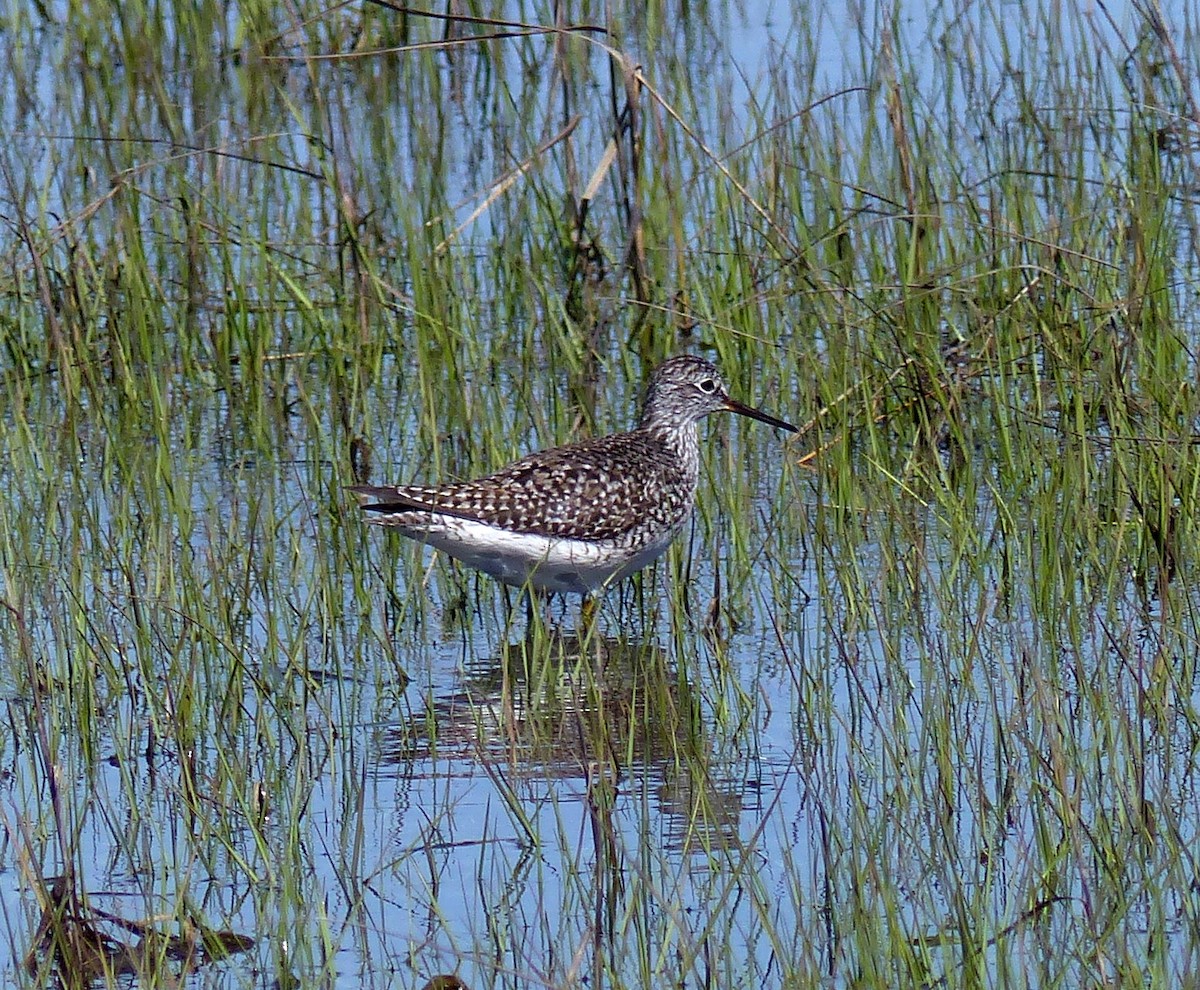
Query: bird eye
[(707, 386)]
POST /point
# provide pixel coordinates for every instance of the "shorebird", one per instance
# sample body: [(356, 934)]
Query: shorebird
[(580, 517)]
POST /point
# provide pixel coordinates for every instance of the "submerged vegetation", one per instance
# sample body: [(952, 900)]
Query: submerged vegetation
[(914, 704)]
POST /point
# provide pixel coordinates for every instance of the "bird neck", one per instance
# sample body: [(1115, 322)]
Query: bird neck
[(681, 440)]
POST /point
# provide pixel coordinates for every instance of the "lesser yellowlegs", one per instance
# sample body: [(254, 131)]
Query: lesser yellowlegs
[(581, 517)]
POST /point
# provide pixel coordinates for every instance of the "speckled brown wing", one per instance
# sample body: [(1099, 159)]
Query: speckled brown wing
[(595, 490)]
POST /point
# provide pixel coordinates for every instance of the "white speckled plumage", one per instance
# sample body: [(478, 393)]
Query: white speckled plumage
[(580, 517)]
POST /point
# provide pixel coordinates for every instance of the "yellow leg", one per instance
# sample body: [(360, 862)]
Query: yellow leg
[(587, 615)]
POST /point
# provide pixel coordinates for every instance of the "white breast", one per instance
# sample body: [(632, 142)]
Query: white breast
[(573, 566)]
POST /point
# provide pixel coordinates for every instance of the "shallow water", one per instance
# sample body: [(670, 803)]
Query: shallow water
[(902, 746)]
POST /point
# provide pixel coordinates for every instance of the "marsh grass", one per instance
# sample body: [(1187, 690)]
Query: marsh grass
[(914, 701)]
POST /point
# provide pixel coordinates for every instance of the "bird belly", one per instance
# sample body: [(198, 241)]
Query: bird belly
[(580, 567)]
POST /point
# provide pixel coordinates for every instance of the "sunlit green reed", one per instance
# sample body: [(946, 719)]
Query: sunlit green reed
[(912, 703)]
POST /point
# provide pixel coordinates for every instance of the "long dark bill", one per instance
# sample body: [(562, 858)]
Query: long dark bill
[(743, 410)]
